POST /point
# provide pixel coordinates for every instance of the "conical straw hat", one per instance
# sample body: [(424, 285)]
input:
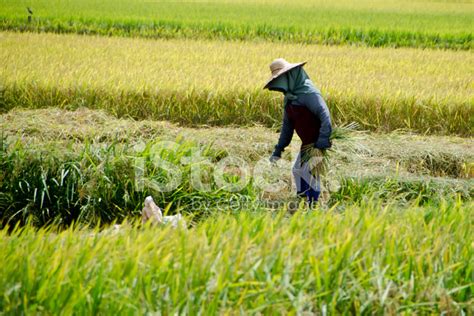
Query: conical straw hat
[(278, 67)]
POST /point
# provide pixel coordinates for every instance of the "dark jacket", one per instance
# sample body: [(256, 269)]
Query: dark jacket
[(309, 117)]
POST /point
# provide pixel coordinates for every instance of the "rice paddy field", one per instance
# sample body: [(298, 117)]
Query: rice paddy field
[(201, 82), (396, 23), (367, 260), (103, 103)]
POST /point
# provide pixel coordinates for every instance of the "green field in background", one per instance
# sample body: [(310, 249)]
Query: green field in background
[(445, 24)]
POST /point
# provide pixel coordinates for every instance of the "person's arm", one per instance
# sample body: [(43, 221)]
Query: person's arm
[(318, 107), (286, 134)]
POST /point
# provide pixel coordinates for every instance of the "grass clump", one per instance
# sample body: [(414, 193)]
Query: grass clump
[(439, 165), (401, 189), (95, 183)]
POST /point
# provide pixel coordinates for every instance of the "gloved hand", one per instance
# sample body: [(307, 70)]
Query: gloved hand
[(323, 144), (274, 159)]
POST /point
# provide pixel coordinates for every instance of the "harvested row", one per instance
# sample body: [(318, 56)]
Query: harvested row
[(363, 154), (392, 23), (219, 83)]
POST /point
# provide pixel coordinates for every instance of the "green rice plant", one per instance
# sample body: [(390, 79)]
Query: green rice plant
[(396, 23), (95, 183), (381, 89), (367, 259), (401, 189)]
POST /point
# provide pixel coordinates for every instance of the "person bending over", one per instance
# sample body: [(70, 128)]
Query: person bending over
[(306, 113)]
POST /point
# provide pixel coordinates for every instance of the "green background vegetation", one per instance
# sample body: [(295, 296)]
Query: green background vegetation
[(444, 24)]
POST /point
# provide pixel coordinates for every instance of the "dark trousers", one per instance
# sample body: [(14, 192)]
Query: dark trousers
[(307, 184)]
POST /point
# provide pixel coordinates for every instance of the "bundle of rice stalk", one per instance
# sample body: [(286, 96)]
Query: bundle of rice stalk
[(318, 159)]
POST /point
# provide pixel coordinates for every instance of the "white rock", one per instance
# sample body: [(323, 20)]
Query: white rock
[(151, 212)]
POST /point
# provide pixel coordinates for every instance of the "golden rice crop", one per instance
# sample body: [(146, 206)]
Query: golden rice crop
[(184, 65), (216, 83)]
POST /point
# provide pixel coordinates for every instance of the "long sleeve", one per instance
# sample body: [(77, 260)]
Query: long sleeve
[(286, 134), (318, 107)]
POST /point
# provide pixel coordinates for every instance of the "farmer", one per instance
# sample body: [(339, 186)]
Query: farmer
[(306, 113)]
